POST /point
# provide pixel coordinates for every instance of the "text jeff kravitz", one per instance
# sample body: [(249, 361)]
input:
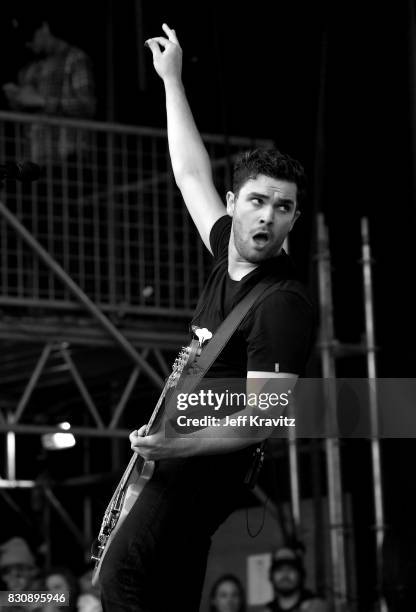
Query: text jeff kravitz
[(235, 421)]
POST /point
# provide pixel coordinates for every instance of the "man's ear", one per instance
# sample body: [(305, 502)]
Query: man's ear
[(295, 217), (230, 203)]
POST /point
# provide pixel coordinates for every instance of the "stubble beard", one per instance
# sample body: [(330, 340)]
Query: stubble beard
[(251, 255)]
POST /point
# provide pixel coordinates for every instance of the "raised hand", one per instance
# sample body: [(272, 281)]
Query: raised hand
[(167, 54)]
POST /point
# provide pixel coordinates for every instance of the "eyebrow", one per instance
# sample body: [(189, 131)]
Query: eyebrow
[(257, 194)]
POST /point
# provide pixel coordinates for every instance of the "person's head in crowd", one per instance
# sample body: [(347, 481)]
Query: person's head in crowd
[(87, 602), (287, 573), (41, 27), (61, 579), (227, 595), (17, 564), (40, 34)]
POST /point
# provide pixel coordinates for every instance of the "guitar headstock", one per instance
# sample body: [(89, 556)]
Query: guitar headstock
[(185, 358)]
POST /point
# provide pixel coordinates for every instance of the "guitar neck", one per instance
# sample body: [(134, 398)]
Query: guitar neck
[(157, 409), (128, 471), (185, 357), (126, 474)]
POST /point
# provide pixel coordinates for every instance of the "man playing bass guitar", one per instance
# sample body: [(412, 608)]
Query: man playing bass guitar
[(158, 559)]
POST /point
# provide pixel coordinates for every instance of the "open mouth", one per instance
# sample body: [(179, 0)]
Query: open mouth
[(261, 238)]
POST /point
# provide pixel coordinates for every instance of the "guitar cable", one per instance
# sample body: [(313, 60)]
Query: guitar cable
[(253, 534)]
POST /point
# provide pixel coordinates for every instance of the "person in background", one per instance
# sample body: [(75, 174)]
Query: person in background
[(227, 595), (287, 575), (55, 86), (18, 569), (60, 580), (58, 82)]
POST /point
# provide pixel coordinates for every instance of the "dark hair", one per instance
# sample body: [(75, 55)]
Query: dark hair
[(236, 582), (270, 162)]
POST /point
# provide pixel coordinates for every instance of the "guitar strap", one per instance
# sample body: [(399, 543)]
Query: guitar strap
[(233, 320)]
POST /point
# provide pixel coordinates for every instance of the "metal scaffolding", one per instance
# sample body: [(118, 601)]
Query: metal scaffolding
[(330, 349)]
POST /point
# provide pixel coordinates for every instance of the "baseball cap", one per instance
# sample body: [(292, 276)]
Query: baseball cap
[(16, 552), (286, 555)]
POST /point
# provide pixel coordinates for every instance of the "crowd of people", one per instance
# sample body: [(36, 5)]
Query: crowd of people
[(20, 571), (287, 577)]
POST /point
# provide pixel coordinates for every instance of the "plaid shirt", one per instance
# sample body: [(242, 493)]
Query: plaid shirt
[(66, 83)]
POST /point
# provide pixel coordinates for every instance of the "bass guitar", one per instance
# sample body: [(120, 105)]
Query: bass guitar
[(139, 471)]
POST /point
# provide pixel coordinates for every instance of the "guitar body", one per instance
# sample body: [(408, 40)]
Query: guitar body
[(133, 489), (136, 476)]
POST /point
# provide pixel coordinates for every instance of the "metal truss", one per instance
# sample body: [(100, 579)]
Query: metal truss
[(15, 417), (17, 420)]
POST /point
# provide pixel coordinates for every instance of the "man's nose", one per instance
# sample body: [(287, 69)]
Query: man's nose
[(267, 214)]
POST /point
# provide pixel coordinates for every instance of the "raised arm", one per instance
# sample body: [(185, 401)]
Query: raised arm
[(190, 161)]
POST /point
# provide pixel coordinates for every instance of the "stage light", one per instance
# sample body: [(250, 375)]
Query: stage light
[(58, 440)]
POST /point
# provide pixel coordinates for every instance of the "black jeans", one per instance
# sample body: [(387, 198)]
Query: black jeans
[(157, 561)]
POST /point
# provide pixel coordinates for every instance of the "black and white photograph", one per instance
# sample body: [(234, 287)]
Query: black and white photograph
[(207, 338)]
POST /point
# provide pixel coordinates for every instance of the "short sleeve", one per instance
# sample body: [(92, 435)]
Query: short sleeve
[(219, 236), (280, 333)]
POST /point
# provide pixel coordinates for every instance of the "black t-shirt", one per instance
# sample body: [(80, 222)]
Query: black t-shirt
[(276, 335), (278, 330)]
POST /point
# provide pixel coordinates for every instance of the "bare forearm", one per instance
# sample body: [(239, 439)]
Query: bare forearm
[(187, 151), (218, 435), (216, 439), (248, 426)]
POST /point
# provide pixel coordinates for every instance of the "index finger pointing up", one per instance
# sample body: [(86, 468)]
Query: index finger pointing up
[(171, 34)]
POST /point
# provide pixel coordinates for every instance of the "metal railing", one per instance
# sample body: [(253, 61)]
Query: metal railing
[(108, 211)]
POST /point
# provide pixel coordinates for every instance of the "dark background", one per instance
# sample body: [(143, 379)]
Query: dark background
[(333, 84)]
